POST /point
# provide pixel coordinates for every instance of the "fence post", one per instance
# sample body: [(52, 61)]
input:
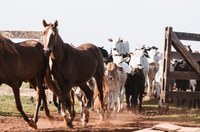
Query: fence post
[(165, 82)]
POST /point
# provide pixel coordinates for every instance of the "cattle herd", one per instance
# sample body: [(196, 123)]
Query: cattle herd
[(128, 75)]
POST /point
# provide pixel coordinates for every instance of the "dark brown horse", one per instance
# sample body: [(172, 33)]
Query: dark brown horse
[(72, 66), (24, 61)]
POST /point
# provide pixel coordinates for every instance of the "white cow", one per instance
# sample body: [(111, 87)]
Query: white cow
[(115, 78), (119, 47), (153, 58), (154, 55), (119, 61)]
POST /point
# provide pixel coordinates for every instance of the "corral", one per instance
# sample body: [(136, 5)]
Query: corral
[(124, 121)]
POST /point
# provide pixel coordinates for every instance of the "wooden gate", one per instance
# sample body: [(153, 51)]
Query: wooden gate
[(173, 39)]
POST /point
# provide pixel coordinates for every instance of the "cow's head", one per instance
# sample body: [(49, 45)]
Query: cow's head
[(112, 71)]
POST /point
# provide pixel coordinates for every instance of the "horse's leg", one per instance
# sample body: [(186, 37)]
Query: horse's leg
[(66, 116), (19, 108), (57, 104), (73, 103), (37, 84), (40, 90), (45, 104), (85, 117), (69, 105), (38, 103), (67, 119)]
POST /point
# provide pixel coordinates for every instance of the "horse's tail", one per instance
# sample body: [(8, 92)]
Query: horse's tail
[(96, 96)]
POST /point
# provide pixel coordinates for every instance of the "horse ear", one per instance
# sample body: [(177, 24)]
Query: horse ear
[(44, 23), (56, 23)]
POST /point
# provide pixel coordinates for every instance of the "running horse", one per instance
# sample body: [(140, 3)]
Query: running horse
[(72, 66), (24, 61)]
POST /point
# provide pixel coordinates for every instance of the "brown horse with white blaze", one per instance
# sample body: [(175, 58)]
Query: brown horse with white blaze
[(24, 61), (72, 66)]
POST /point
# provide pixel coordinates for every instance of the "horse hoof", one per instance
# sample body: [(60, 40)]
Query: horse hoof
[(102, 115), (69, 124), (84, 122), (32, 124)]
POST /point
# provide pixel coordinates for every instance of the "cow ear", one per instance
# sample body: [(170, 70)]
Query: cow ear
[(110, 40), (56, 23), (44, 23)]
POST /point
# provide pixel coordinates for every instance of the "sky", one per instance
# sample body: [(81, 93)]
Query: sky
[(94, 21)]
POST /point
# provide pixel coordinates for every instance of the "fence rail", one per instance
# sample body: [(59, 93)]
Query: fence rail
[(21, 34)]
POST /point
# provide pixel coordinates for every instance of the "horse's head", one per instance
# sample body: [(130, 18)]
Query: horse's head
[(50, 34)]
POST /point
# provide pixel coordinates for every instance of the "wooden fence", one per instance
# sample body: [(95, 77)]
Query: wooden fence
[(21, 34), (173, 39)]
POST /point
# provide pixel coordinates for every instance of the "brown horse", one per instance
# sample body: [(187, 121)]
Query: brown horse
[(24, 61), (72, 66)]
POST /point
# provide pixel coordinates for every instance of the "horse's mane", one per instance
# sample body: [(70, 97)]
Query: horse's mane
[(6, 45), (59, 39), (63, 44)]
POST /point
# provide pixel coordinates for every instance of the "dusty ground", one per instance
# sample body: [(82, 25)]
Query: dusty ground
[(124, 121)]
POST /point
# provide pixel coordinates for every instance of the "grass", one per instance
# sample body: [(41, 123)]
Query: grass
[(8, 106)]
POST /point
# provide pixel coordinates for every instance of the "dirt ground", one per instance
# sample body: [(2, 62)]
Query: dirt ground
[(124, 121)]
